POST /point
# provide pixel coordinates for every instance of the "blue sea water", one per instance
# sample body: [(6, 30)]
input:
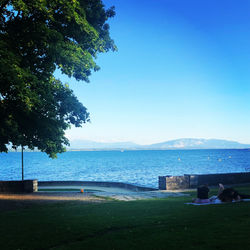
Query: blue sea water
[(135, 167)]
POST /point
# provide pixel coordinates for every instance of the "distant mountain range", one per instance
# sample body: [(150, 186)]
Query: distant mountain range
[(85, 144), (186, 143)]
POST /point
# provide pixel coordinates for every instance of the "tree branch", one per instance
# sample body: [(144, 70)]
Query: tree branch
[(3, 5)]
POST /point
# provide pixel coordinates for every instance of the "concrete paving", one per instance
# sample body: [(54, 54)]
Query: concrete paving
[(116, 193)]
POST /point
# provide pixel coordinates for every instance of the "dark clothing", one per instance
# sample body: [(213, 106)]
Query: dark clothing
[(244, 196), (229, 194), (202, 192)]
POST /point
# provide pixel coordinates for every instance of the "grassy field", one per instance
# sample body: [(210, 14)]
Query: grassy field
[(149, 224)]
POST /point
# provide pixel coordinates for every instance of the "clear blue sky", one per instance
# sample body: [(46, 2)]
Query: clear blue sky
[(182, 70)]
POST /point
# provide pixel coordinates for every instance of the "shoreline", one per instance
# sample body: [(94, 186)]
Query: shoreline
[(122, 150)]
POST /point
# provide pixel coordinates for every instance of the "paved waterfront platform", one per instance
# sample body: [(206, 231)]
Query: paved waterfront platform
[(102, 185), (114, 190)]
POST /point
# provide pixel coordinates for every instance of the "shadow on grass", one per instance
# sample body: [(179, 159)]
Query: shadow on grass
[(146, 224)]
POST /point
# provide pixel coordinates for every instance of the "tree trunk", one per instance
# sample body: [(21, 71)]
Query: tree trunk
[(22, 165)]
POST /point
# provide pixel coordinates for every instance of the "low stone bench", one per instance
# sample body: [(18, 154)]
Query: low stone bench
[(26, 186)]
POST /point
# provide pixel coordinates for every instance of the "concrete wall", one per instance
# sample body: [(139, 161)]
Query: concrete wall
[(193, 181), (27, 186)]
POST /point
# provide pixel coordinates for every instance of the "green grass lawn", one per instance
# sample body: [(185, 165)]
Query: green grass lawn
[(149, 224)]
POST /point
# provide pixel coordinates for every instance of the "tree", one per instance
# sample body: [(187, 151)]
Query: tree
[(36, 38)]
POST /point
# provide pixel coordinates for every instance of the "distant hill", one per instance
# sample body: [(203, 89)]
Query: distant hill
[(186, 143), (85, 144), (189, 143)]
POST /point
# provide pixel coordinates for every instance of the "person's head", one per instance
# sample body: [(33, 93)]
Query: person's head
[(202, 192)]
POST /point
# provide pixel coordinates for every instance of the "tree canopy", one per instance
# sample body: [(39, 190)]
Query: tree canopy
[(36, 38)]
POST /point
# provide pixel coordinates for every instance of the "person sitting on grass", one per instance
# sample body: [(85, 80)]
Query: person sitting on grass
[(230, 194), (202, 194), (224, 195)]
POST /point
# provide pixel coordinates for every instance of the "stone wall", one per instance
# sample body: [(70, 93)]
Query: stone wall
[(173, 182), (193, 181), (26, 186), (163, 182), (177, 182), (215, 179)]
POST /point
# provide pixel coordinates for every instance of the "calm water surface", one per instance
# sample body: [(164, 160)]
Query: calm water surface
[(136, 167)]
